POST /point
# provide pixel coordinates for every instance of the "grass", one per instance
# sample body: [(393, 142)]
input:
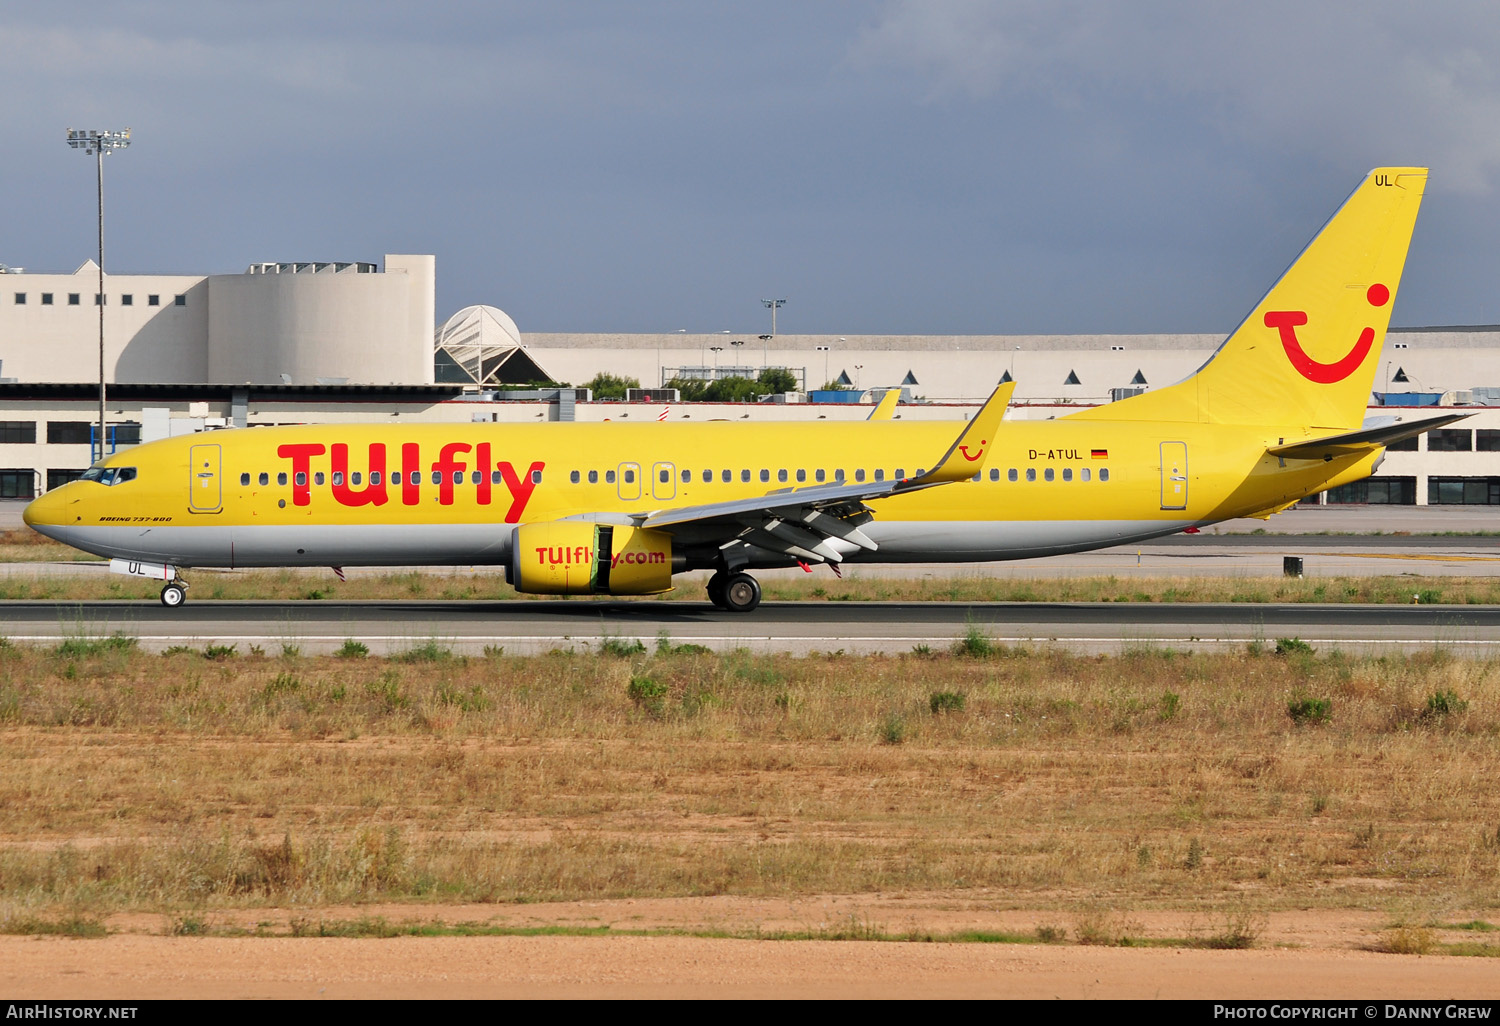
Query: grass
[(133, 783), (485, 584)]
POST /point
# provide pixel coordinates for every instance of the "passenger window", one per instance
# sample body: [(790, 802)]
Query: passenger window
[(301, 477), (666, 477), (374, 477), (818, 475), (900, 474), (1047, 473), (745, 475), (478, 476), (727, 476), (880, 475), (458, 477), (1083, 475), (838, 476), (281, 478), (265, 479), (859, 475), (781, 475), (994, 473), (1010, 475), (687, 477), (609, 477), (1031, 473), (338, 478), (1067, 473), (1103, 473), (244, 480), (593, 477), (765, 476), (318, 478), (801, 475), (629, 477), (495, 477), (536, 477), (708, 477), (437, 477), (573, 477)]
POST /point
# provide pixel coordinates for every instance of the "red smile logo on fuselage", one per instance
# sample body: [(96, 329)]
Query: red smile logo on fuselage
[(964, 451), (1286, 322)]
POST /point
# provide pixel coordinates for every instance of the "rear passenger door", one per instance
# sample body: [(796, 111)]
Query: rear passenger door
[(205, 485)]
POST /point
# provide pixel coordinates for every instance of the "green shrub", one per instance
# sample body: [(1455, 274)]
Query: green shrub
[(427, 652), (1441, 703), (74, 647), (352, 649), (975, 644), (219, 653), (1304, 709), (621, 648), (1293, 646), (945, 702), (893, 729), (1169, 705)]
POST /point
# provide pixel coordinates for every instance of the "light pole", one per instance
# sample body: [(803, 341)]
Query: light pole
[(98, 145), (824, 351), (716, 350), (774, 304), (736, 346)]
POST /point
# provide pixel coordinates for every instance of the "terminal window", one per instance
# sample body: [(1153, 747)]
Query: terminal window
[(98, 299), (46, 299), (17, 432), (69, 432), (58, 478), (1405, 445), (127, 300), (153, 300), (17, 484), (1467, 491), (180, 300), (73, 298), (1487, 441), (1450, 440), (20, 299)]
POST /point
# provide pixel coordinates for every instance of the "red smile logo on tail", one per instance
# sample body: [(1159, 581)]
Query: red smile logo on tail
[(964, 449), (1286, 322)]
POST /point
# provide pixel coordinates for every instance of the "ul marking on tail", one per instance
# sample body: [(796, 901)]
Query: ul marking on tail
[(964, 449), (1286, 322)]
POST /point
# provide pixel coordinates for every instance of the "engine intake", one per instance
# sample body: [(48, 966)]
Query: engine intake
[(575, 557)]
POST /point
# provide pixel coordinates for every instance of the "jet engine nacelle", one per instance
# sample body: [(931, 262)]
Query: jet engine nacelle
[(576, 557)]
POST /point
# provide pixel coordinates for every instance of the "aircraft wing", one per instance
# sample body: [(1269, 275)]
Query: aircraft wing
[(1365, 439), (821, 523)]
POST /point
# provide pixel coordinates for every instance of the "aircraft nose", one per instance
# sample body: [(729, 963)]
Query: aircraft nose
[(49, 510)]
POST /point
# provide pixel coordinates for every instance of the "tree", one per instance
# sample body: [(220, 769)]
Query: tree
[(776, 379), (733, 390), (610, 386), (691, 389)]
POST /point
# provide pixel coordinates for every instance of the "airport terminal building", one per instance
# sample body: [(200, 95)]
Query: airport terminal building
[(305, 342)]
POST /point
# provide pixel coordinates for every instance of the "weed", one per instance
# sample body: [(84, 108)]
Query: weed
[(1403, 939), (975, 644), (78, 648), (1050, 933), (219, 653), (494, 651), (427, 652), (1194, 858), (177, 650), (387, 689), (922, 651), (941, 702), (1443, 703), (188, 926), (648, 694), (621, 648), (290, 651), (1238, 932), (1306, 710), (352, 649), (473, 700), (79, 926), (1103, 928), (892, 728), (1292, 646), (1168, 705)]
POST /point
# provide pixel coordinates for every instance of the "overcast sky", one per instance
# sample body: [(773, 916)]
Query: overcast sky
[(887, 166)]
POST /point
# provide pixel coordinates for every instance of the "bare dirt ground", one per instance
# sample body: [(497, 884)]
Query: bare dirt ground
[(1314, 954)]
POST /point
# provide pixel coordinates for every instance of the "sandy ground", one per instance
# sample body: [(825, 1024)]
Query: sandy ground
[(1308, 954)]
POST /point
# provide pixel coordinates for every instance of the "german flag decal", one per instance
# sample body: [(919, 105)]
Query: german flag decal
[(1099, 454)]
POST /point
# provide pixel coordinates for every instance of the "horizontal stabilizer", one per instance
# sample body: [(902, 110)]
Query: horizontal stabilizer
[(1364, 440), (887, 407)]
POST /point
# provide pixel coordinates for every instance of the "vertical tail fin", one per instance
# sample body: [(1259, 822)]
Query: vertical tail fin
[(1307, 353)]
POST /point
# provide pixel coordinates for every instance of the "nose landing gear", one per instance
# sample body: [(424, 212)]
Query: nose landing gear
[(734, 593), (174, 594)]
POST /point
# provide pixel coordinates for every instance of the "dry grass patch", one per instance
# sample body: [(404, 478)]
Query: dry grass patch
[(137, 782)]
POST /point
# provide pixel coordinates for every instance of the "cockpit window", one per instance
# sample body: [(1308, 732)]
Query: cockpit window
[(109, 475)]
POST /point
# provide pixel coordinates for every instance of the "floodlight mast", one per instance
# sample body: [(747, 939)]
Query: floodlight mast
[(98, 145), (774, 304)]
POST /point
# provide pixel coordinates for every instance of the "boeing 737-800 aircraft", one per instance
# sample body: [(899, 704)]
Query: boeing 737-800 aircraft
[(1276, 414)]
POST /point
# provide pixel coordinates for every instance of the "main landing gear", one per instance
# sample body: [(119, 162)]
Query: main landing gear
[(174, 594), (735, 593)]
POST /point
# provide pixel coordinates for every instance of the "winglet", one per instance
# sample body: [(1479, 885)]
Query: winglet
[(965, 457), (887, 406)]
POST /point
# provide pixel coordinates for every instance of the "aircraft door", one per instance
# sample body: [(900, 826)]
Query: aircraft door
[(1174, 477), (630, 480), (663, 481), (205, 492)]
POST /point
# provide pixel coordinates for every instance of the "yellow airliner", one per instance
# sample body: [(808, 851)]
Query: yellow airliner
[(1276, 414)]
